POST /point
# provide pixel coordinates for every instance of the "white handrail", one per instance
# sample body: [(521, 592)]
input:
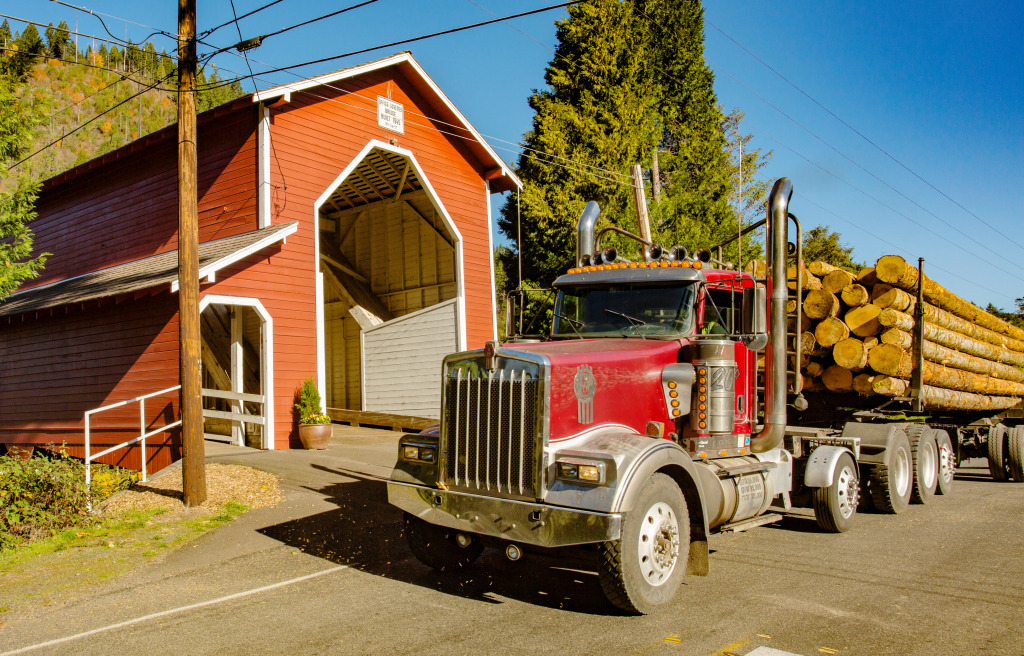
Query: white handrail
[(141, 400), (143, 434)]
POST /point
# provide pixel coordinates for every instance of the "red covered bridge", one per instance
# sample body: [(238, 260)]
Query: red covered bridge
[(344, 227)]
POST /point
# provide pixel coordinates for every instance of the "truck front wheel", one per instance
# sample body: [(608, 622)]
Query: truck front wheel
[(643, 570), (436, 546), (835, 506)]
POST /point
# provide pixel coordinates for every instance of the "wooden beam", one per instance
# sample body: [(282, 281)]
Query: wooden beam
[(332, 255), (383, 177), (432, 226), (401, 180), (396, 422)]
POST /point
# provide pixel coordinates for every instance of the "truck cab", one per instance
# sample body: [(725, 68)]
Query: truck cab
[(637, 427)]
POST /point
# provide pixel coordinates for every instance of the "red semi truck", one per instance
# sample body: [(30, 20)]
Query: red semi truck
[(641, 424)]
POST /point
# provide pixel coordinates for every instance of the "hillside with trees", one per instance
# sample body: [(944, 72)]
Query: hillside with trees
[(117, 94)]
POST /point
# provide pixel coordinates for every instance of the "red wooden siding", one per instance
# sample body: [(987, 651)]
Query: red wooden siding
[(127, 208), (55, 367), (124, 207)]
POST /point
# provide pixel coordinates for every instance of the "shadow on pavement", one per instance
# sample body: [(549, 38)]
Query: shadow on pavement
[(365, 533)]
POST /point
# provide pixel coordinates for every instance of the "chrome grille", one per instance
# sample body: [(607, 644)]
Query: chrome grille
[(491, 436)]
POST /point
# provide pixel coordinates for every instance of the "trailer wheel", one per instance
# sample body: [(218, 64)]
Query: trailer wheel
[(835, 506), (926, 462), (642, 571), (892, 484), (435, 546), (947, 462), (997, 443), (1015, 453)]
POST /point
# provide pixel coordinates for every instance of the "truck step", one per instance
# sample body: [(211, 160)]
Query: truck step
[(753, 522)]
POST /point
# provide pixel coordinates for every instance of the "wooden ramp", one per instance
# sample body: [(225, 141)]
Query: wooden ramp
[(394, 422)]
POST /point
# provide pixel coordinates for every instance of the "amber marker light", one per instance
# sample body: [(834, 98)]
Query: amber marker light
[(685, 265), (698, 265)]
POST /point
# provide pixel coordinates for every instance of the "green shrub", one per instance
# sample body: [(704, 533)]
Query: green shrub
[(307, 404), (46, 493)]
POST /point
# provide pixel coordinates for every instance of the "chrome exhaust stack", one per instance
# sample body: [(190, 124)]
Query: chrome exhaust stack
[(771, 434), (585, 245)]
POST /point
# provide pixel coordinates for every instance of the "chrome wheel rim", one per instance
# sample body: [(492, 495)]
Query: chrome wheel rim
[(658, 544), (945, 464), (901, 472), (849, 492), (929, 465)]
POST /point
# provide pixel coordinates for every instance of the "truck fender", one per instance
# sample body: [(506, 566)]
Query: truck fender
[(821, 465), (875, 440), (669, 458)]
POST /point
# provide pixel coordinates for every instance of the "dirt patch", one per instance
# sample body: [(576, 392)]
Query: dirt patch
[(252, 487)]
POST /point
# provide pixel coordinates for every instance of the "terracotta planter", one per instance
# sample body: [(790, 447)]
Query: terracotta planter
[(315, 436)]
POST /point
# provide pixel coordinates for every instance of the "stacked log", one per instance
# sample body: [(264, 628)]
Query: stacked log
[(856, 335)]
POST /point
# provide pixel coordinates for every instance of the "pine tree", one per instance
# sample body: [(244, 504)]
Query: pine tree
[(629, 77), (17, 201), (596, 120), (821, 243)]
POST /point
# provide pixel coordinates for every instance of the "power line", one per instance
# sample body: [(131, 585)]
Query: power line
[(888, 207), (237, 18), (92, 37), (860, 134), (88, 65), (883, 182), (420, 38), (98, 15), (899, 248)]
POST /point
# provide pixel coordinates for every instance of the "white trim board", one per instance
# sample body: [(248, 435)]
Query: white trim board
[(210, 270)]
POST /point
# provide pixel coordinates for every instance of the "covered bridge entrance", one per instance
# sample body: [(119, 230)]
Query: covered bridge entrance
[(389, 261)]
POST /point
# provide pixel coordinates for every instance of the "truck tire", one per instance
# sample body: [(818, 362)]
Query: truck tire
[(892, 484), (643, 570), (997, 443), (926, 462), (835, 506), (1015, 453), (947, 462), (435, 546)]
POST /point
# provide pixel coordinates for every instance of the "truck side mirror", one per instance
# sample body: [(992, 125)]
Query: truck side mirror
[(755, 318)]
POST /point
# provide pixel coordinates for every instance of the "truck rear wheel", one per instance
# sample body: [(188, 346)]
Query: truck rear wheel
[(1015, 453), (892, 484), (947, 462), (435, 546), (997, 443), (643, 570), (835, 506), (926, 462)]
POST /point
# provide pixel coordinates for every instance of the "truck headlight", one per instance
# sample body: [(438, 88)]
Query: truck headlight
[(418, 453), (579, 470)]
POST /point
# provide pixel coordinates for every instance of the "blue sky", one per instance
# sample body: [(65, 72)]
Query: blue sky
[(939, 86)]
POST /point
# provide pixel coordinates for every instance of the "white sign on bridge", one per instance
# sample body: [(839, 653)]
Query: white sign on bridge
[(390, 115)]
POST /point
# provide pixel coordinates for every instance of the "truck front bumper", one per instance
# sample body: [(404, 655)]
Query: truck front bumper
[(517, 521)]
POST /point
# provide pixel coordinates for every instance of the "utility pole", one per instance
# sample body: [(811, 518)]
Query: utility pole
[(193, 470), (640, 198)]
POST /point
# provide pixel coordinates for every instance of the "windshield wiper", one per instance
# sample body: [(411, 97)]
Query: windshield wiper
[(634, 323), (572, 323)]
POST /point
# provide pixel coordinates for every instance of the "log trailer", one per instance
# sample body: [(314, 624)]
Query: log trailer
[(641, 424)]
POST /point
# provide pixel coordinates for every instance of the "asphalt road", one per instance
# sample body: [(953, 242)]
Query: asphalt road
[(327, 572)]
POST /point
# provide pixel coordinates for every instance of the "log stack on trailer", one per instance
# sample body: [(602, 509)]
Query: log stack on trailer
[(858, 337)]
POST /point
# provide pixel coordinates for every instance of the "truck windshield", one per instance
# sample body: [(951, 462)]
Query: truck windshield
[(624, 310)]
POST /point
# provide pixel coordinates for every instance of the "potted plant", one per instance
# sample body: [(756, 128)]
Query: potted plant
[(314, 426)]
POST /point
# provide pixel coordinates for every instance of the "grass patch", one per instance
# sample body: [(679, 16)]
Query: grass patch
[(39, 572)]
